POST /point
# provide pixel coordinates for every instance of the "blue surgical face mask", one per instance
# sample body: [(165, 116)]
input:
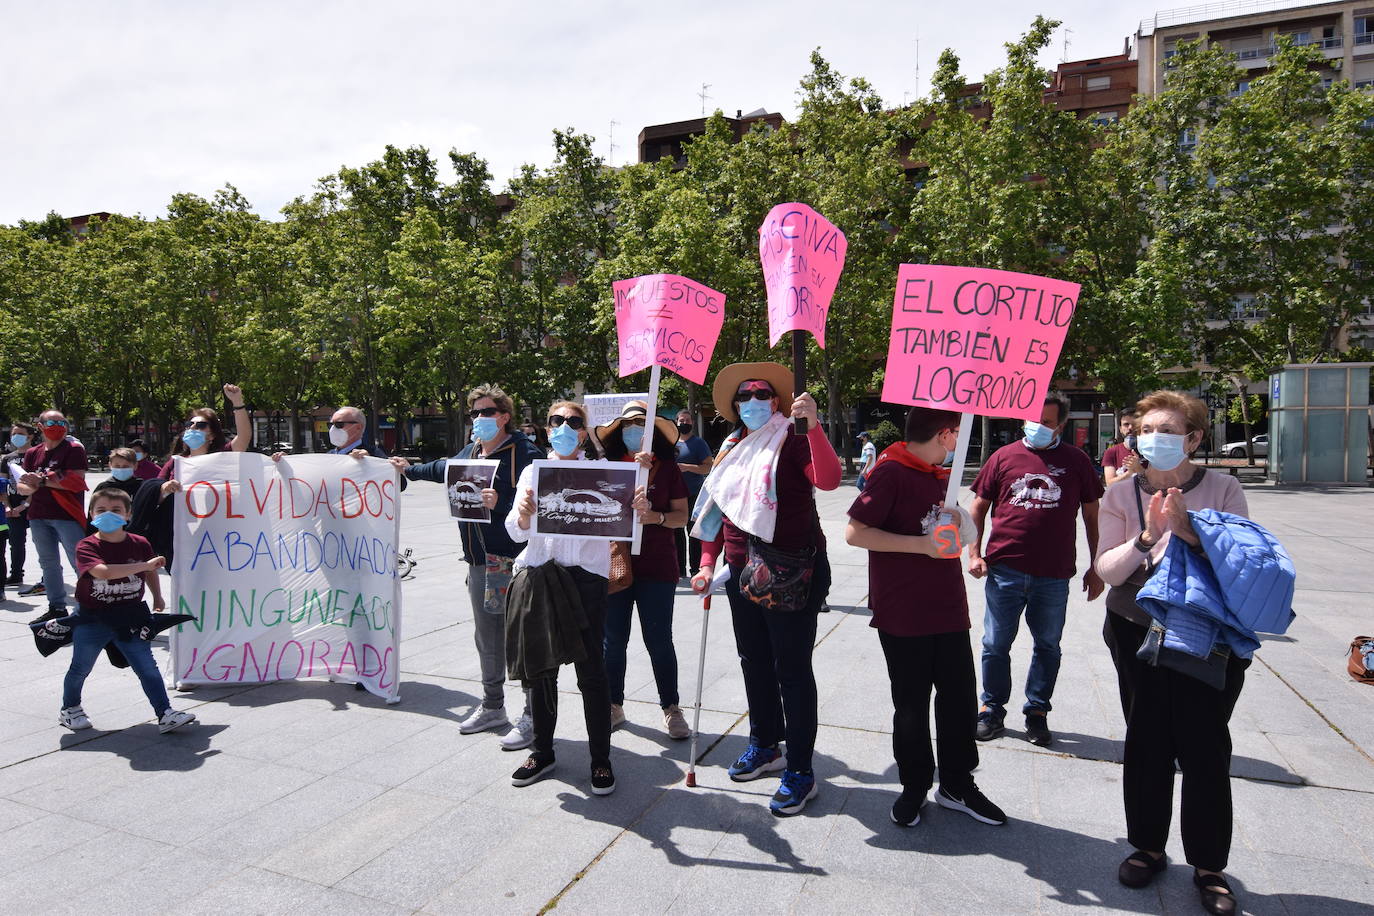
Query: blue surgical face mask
[(1038, 435), (122, 473), (140, 456), (563, 439), (19, 440), (109, 521), (193, 438), (485, 428), (754, 413), (1164, 451), (632, 436)]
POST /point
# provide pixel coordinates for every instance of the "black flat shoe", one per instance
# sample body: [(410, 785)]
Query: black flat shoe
[(1217, 896), (1140, 869)]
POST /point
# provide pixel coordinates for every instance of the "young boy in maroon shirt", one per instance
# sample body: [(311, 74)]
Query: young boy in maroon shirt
[(112, 567), (916, 593)]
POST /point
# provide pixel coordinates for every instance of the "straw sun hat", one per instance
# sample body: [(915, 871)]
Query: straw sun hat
[(729, 379)]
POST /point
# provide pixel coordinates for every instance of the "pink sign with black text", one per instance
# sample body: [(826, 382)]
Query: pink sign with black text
[(667, 320), (976, 340), (802, 254)]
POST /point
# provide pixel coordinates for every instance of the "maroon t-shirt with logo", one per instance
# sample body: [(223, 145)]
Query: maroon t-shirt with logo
[(657, 560), (98, 593), (1036, 495), (1115, 456), (67, 455), (909, 594)]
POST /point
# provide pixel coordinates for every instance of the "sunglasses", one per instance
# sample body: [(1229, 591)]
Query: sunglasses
[(340, 424), (573, 422), (52, 423), (758, 394), (198, 424), (482, 412), (631, 421)]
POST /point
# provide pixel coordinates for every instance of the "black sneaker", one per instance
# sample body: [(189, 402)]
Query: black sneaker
[(973, 803), (989, 725), (1038, 729), (53, 612), (603, 780), (906, 810), (16, 579), (532, 770)]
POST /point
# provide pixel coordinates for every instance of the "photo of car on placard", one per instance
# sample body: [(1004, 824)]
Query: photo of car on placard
[(576, 499), (464, 481), (1237, 449)]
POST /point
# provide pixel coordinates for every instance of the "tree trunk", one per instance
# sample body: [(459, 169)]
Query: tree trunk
[(983, 451)]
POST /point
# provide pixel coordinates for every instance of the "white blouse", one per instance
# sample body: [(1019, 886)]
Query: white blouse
[(592, 555)]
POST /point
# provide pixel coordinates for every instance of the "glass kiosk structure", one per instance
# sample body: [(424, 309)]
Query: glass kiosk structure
[(1319, 423)]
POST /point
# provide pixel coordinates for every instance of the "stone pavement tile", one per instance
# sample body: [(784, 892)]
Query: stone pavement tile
[(350, 744), (524, 870), (1326, 760), (13, 814), (1272, 883), (174, 805), (1071, 793), (418, 868), (403, 760), (257, 835), (40, 839), (1300, 821), (341, 846), (255, 890), (124, 871)]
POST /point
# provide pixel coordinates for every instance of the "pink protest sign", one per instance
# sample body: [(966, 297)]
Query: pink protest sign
[(667, 320), (975, 340), (802, 255)]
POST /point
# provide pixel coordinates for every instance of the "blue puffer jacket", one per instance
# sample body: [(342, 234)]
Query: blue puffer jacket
[(1239, 585)]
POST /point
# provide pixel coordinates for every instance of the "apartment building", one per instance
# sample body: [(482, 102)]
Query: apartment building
[(1342, 31)]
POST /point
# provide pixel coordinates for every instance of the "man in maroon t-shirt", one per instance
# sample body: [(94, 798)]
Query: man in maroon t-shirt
[(1120, 461), (54, 479), (920, 610), (1035, 489)]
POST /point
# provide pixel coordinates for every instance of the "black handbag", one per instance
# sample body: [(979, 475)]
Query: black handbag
[(779, 580)]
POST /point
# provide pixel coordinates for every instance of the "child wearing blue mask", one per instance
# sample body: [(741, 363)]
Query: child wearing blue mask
[(123, 463), (112, 568)]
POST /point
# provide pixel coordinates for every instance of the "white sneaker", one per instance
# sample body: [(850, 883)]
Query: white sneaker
[(173, 719), (74, 717), (617, 716), (520, 736), (482, 719)]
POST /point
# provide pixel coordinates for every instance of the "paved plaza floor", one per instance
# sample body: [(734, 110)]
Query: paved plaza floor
[(311, 798)]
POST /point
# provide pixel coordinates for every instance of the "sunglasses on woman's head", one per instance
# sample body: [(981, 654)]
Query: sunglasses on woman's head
[(574, 422), (482, 412), (758, 394), (197, 424)]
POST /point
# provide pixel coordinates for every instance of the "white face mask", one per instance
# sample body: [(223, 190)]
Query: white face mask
[(338, 436)]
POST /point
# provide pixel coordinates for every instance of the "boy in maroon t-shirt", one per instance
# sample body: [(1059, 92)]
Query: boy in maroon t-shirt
[(916, 593), (1035, 490), (112, 568)]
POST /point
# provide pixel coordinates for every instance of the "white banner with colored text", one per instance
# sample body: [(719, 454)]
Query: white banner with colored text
[(289, 568)]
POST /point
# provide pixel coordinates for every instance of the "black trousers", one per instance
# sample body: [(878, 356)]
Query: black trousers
[(1173, 717), (591, 680), (688, 547), (915, 664), (775, 657), (18, 542)]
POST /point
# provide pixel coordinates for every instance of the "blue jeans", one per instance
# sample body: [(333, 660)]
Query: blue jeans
[(89, 638), (655, 600), (48, 534), (1045, 602)]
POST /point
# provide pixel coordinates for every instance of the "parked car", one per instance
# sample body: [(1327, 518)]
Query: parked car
[(1260, 444)]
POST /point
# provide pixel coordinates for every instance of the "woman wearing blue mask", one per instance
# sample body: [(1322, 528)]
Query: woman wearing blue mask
[(1170, 715), (202, 434), (586, 566), (758, 508), (647, 579)]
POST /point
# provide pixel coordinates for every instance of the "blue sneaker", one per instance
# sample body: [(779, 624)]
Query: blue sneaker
[(793, 793), (756, 761)]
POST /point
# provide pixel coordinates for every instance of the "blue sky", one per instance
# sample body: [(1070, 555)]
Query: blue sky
[(117, 106)]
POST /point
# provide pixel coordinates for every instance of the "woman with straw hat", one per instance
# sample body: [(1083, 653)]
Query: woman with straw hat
[(647, 579), (758, 508)]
